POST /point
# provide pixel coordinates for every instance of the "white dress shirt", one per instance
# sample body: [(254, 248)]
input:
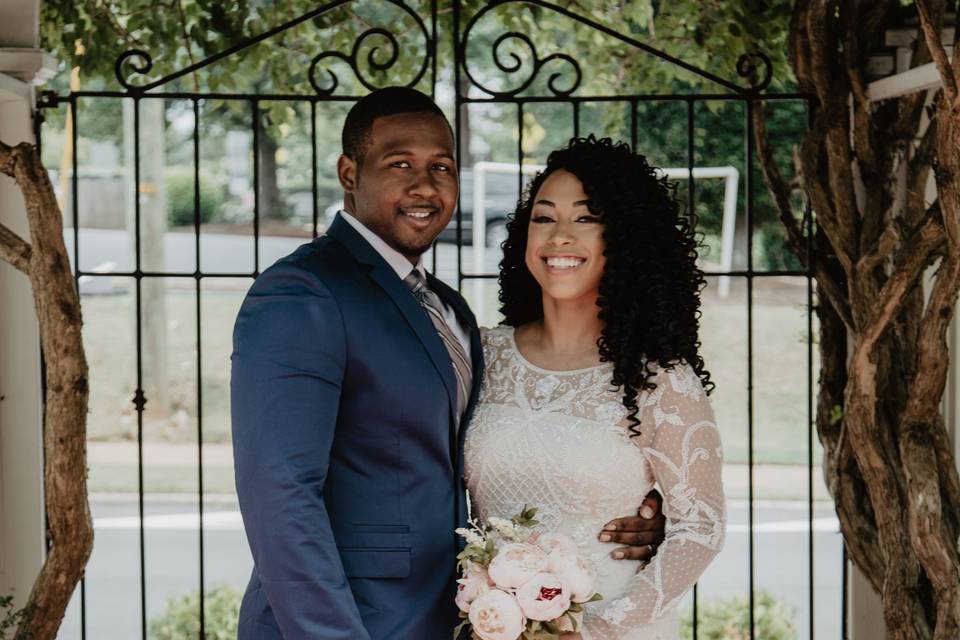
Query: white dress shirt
[(399, 263)]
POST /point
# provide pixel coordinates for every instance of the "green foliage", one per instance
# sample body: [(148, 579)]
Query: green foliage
[(181, 618), (729, 619), (774, 254), (10, 618), (709, 35), (180, 197)]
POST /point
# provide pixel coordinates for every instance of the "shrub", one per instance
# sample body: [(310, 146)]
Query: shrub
[(181, 618), (774, 254), (729, 619), (10, 618), (180, 197)]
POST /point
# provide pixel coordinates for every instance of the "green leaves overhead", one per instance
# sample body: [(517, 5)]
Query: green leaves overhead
[(179, 33), (708, 34)]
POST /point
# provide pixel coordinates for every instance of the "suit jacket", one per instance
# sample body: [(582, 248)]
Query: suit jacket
[(347, 457)]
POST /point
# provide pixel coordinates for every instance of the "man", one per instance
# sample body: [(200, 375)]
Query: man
[(354, 375)]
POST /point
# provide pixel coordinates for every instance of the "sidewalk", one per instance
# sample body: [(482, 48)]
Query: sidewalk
[(172, 468)]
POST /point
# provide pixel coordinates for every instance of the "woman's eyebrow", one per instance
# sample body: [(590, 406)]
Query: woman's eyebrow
[(548, 203)]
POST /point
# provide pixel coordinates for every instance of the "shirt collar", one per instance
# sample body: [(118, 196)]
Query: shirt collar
[(397, 261)]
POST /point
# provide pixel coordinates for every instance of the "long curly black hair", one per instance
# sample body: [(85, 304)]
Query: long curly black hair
[(650, 289)]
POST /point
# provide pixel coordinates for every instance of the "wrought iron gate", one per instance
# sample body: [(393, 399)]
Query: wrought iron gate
[(525, 81)]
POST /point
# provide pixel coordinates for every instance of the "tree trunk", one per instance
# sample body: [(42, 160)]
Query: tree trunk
[(45, 261), (884, 358), (272, 205)]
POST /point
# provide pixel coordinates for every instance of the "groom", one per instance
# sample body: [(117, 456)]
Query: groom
[(354, 376)]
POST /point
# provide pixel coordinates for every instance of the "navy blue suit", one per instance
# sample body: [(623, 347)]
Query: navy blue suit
[(348, 460)]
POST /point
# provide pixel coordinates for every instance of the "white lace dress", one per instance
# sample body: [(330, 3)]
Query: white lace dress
[(556, 440)]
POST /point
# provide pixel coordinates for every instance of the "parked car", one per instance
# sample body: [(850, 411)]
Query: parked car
[(500, 200)]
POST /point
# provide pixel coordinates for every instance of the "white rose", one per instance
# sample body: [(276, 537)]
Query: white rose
[(579, 576), (474, 583), (496, 615), (543, 597), (515, 563)]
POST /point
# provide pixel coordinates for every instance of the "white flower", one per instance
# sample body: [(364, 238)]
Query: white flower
[(543, 597), (471, 536), (505, 528), (496, 615), (516, 563)]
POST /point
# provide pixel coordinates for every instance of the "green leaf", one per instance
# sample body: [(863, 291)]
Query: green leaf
[(460, 627)]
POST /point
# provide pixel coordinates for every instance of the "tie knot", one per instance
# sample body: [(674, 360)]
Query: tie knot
[(415, 281)]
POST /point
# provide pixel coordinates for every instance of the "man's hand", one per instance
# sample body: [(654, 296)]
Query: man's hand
[(641, 533)]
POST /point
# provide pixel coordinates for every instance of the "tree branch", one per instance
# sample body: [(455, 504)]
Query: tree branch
[(69, 526), (818, 193), (930, 23), (881, 249), (780, 190), (15, 250), (921, 419), (921, 245), (918, 171), (186, 43)]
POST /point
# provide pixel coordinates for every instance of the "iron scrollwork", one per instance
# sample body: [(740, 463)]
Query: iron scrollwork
[(137, 62), (140, 63), (373, 64), (757, 68), (536, 63)]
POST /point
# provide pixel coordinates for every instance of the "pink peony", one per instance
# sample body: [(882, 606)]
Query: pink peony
[(557, 546), (496, 615), (515, 563), (577, 574), (544, 597), (475, 582)]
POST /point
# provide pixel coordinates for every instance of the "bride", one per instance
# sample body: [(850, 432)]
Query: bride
[(594, 389)]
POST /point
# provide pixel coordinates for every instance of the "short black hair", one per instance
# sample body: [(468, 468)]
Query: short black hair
[(388, 101)]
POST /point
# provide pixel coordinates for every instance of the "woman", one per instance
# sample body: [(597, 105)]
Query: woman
[(594, 389)]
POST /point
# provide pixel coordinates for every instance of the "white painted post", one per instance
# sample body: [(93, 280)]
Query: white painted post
[(22, 548)]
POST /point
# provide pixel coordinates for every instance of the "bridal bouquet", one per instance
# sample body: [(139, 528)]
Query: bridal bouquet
[(517, 583)]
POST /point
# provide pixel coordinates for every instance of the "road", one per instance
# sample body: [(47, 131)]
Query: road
[(225, 253), (172, 561)]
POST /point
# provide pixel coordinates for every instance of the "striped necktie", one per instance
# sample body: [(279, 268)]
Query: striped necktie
[(433, 307)]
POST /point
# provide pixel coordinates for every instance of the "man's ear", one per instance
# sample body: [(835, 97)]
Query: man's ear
[(347, 173)]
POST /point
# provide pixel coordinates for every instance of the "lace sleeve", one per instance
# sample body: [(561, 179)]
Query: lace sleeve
[(684, 451)]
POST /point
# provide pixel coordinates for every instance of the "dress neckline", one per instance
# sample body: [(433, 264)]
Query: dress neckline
[(554, 372)]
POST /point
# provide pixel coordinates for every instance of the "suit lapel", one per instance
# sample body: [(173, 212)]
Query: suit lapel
[(411, 310)]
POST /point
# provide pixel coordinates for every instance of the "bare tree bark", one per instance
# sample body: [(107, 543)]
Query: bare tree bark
[(45, 261), (864, 169)]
